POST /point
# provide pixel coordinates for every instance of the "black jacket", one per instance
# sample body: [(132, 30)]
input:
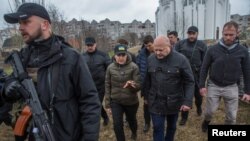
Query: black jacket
[(225, 66), (4, 107), (194, 51), (63, 72), (98, 62), (169, 83)]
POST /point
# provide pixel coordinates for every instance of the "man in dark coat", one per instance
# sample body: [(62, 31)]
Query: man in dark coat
[(169, 87), (141, 61), (195, 51), (97, 62), (63, 82), (225, 62)]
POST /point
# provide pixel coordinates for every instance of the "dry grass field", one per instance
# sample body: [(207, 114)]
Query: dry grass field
[(190, 132)]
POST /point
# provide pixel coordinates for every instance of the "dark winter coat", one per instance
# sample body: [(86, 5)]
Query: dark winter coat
[(141, 61), (98, 62), (4, 107), (116, 77), (194, 51), (64, 80), (169, 83), (225, 66)]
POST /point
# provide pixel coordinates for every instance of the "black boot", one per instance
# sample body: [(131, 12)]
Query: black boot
[(204, 125), (105, 121), (199, 111), (184, 117), (133, 136), (183, 122)]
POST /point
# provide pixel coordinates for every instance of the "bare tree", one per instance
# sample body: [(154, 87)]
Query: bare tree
[(132, 38), (57, 17)]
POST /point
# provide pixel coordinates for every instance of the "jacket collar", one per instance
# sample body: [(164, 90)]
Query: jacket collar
[(221, 42), (48, 52)]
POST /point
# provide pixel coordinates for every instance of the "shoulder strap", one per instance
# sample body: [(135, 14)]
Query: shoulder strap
[(193, 51), (53, 79)]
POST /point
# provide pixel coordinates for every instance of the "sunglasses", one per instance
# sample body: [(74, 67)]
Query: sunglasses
[(121, 54), (90, 45)]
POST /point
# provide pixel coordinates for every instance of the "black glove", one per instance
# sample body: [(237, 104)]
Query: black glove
[(11, 93), (4, 114), (8, 120)]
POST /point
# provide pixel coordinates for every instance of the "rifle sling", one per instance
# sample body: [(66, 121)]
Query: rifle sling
[(53, 78)]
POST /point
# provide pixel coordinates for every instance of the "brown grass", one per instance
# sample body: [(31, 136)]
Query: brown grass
[(134, 50), (192, 130)]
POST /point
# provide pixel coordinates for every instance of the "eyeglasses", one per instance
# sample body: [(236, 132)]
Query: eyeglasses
[(121, 54), (90, 45)]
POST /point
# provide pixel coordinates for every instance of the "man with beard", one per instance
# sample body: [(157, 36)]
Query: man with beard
[(63, 82), (195, 51), (225, 62)]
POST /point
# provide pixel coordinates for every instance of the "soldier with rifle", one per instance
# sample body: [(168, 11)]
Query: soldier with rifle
[(51, 81)]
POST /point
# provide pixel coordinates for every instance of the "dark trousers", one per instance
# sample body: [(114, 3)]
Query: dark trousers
[(104, 114), (159, 126), (146, 114), (5, 117), (117, 113), (20, 138), (198, 102), (103, 111)]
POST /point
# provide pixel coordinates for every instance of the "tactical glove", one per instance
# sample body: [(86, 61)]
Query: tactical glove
[(11, 93)]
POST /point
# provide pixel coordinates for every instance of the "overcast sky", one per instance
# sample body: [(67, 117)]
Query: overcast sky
[(123, 10)]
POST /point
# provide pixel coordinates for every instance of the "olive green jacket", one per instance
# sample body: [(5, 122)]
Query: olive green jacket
[(116, 77)]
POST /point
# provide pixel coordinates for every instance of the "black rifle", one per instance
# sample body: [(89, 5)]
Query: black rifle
[(42, 130)]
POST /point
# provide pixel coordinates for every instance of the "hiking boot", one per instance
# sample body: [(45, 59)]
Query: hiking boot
[(182, 122), (146, 128), (105, 122), (199, 111), (133, 136), (204, 125)]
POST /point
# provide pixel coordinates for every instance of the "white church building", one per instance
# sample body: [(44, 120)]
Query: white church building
[(208, 15)]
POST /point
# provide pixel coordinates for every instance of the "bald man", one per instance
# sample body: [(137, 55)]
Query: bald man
[(169, 88)]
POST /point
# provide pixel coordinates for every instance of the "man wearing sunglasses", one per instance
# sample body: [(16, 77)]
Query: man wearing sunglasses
[(97, 62)]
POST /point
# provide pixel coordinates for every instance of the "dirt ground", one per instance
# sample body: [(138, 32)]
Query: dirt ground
[(191, 132)]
